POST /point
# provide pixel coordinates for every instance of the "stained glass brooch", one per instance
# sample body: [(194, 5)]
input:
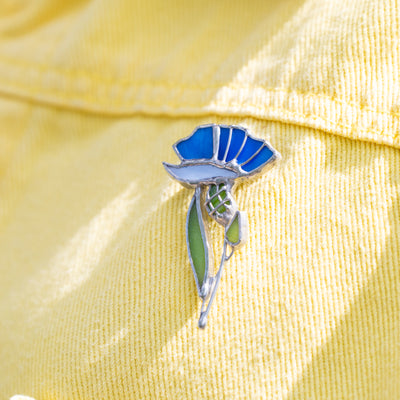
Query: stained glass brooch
[(213, 158)]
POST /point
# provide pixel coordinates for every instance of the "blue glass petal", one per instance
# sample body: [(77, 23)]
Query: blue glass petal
[(250, 148), (259, 160), (199, 145), (236, 143), (223, 142)]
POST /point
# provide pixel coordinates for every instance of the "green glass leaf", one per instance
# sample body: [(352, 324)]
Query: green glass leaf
[(232, 233), (196, 241)]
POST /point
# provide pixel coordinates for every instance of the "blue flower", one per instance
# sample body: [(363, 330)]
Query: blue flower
[(219, 153)]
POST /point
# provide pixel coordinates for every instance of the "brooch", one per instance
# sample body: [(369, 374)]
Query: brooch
[(213, 158)]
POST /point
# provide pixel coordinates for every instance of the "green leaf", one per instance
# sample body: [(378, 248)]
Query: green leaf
[(197, 241), (232, 233)]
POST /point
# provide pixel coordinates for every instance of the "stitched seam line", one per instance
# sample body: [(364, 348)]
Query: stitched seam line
[(284, 116), (280, 113), (96, 79)]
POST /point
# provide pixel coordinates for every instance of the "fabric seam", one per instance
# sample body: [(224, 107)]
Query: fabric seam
[(112, 82)]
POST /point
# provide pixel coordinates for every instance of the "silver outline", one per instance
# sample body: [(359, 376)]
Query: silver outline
[(217, 194), (204, 311), (174, 146), (192, 184), (228, 144), (216, 139), (210, 284), (254, 155), (223, 218), (222, 163), (197, 197), (214, 210), (243, 229), (241, 147)]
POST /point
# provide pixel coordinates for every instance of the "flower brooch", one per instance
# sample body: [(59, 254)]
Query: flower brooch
[(213, 157)]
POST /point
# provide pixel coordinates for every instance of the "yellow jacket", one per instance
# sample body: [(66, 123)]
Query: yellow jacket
[(97, 298)]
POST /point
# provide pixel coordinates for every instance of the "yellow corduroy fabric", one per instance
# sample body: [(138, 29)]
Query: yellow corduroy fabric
[(97, 297)]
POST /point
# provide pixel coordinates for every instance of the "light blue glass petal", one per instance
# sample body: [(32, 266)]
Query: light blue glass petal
[(199, 145), (223, 142), (250, 148), (195, 174), (259, 160), (236, 143)]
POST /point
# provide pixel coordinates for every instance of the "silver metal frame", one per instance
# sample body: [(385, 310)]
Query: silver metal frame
[(225, 217), (234, 166), (243, 229), (207, 290), (198, 198)]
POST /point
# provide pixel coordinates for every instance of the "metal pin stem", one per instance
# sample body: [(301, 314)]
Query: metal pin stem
[(216, 280)]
